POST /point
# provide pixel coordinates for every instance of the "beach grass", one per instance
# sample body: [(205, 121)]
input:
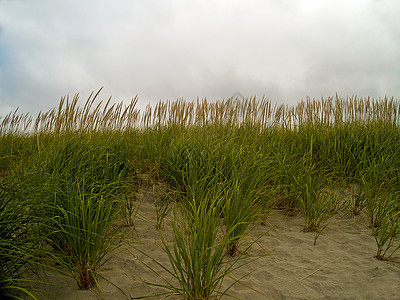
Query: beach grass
[(228, 162)]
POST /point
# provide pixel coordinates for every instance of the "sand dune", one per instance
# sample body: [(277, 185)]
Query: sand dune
[(340, 266)]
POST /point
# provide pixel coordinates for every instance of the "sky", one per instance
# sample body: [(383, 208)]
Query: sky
[(157, 50)]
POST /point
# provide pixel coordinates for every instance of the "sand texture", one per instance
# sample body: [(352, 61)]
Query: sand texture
[(340, 266)]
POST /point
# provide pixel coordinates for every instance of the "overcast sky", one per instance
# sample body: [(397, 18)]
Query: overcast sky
[(169, 49)]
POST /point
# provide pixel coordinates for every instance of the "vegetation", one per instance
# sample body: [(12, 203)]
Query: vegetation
[(224, 164), (19, 241)]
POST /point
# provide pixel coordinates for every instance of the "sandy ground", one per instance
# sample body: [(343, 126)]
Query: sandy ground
[(340, 266)]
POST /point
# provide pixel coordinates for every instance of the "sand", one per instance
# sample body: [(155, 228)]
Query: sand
[(340, 266)]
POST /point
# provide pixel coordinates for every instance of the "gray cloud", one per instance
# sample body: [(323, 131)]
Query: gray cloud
[(172, 49)]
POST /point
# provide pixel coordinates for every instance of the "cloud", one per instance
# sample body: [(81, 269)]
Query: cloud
[(173, 49)]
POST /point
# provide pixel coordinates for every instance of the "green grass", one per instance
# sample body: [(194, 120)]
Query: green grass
[(84, 231), (197, 254), (20, 244), (228, 162)]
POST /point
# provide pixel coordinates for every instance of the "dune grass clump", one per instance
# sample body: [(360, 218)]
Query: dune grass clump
[(163, 204), (386, 233), (87, 187), (77, 190), (85, 233), (245, 197), (129, 206), (316, 204), (20, 244), (383, 215), (197, 254), (358, 200), (212, 214), (317, 209), (384, 220), (239, 212)]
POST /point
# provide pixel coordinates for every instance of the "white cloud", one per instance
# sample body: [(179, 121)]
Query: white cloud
[(171, 49)]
